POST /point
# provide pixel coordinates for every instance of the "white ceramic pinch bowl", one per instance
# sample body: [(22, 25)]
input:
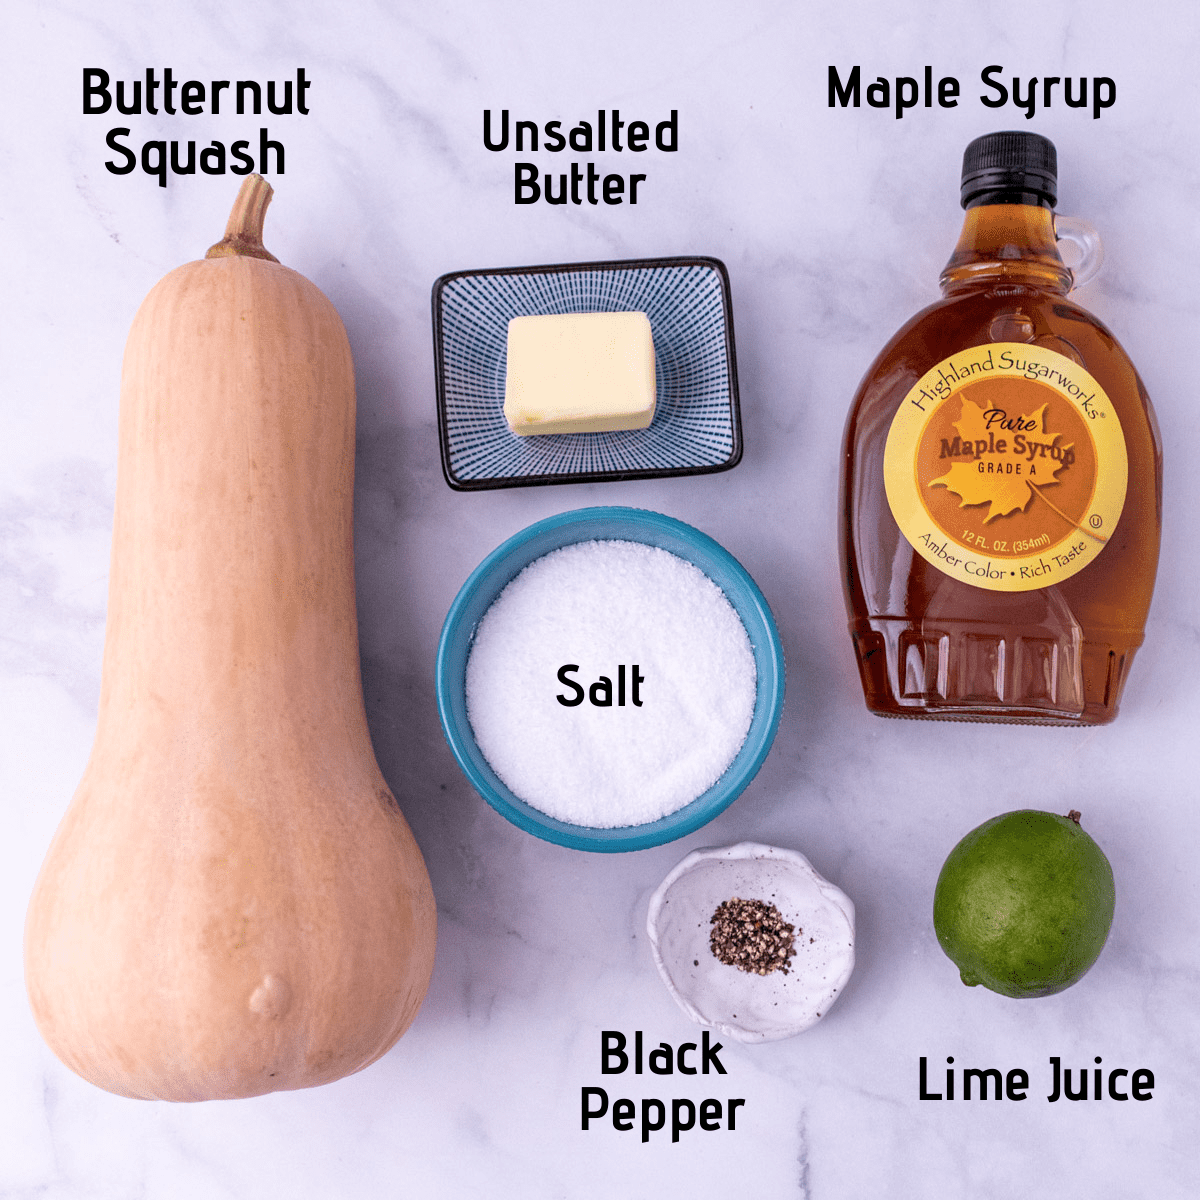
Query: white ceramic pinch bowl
[(739, 1004)]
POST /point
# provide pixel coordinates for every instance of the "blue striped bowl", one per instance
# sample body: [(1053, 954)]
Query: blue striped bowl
[(697, 422)]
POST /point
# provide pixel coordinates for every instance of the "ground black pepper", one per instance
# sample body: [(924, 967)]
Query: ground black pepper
[(752, 936)]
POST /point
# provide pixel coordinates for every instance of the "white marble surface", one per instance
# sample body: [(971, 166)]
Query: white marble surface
[(834, 225)]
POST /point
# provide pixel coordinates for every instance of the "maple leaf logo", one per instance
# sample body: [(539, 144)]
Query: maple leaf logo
[(1011, 458)]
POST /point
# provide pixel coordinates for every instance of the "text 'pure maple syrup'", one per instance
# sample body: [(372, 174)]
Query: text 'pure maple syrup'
[(1002, 478)]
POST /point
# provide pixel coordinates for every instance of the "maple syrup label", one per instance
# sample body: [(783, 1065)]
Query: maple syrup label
[(1006, 468)]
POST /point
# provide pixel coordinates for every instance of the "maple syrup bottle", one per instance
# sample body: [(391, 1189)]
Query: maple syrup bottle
[(1002, 477)]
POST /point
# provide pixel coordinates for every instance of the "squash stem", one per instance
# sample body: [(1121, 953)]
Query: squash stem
[(244, 232)]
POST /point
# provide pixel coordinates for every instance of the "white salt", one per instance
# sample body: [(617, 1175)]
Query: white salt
[(600, 605)]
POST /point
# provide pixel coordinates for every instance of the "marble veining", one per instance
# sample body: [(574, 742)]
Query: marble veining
[(833, 224)]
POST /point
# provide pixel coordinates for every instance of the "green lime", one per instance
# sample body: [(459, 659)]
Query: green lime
[(1024, 903)]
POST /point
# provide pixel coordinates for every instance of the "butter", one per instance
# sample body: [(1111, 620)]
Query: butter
[(579, 373)]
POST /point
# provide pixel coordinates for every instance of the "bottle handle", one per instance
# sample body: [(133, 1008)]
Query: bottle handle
[(1086, 240)]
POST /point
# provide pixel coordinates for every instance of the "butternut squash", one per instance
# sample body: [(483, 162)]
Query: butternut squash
[(233, 903)]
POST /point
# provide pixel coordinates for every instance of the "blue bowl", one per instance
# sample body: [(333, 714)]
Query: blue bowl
[(489, 579), (697, 421)]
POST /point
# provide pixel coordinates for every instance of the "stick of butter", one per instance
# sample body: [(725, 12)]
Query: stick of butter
[(579, 373)]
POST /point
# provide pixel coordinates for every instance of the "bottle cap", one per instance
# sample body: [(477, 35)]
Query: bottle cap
[(1010, 168)]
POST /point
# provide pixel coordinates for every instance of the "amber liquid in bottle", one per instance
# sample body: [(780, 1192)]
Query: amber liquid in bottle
[(929, 644)]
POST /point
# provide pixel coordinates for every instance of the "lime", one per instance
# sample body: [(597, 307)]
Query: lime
[(1024, 903)]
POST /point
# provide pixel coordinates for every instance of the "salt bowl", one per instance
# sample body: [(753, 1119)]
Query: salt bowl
[(621, 524)]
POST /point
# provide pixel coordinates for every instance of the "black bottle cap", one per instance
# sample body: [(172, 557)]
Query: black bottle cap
[(1010, 168)]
